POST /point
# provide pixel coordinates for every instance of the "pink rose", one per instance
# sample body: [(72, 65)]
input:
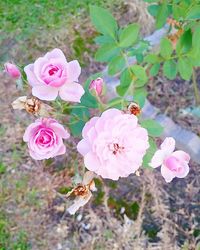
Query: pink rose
[(97, 86), (51, 75), (173, 163), (45, 138), (12, 70), (113, 145)]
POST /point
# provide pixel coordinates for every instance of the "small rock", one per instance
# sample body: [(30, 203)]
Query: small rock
[(79, 217), (122, 210)]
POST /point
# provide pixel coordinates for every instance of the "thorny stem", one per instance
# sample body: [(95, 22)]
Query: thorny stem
[(195, 87)]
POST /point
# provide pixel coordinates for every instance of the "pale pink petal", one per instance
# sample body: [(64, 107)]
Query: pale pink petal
[(111, 113), (73, 71), (83, 147), (38, 65), (61, 151), (55, 53), (181, 155), (71, 92), (89, 125), (157, 159), (167, 174), (183, 172), (168, 145), (30, 130), (46, 93), (59, 129), (91, 161), (31, 78)]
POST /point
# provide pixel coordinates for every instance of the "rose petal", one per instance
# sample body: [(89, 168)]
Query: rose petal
[(181, 155), (61, 151), (157, 159), (83, 147), (89, 125), (46, 93), (167, 174), (59, 129), (31, 78), (183, 172), (55, 53), (73, 71), (91, 161), (71, 92), (168, 145)]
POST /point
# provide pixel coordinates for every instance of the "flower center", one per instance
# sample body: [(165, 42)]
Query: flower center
[(115, 148), (53, 70), (173, 164)]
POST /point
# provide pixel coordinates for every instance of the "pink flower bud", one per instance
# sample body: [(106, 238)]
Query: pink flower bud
[(97, 86), (12, 70)]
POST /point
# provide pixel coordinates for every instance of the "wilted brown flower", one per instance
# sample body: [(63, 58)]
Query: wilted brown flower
[(134, 109), (32, 105), (82, 192)]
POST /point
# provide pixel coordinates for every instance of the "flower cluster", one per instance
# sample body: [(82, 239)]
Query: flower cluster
[(114, 143)]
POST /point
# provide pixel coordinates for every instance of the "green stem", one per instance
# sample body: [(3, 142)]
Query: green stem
[(195, 87)]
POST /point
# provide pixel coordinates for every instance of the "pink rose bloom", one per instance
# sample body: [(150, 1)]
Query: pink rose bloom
[(173, 163), (51, 75), (113, 145), (12, 70), (45, 138), (97, 86)]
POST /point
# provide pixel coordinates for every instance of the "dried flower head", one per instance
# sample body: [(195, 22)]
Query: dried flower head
[(32, 105), (176, 31), (134, 109), (82, 192)]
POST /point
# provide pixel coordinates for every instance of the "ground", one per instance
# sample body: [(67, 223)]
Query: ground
[(140, 212)]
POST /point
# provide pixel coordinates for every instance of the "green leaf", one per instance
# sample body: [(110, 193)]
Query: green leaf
[(153, 127), (150, 153), (194, 13), (161, 16), (185, 42), (194, 57), (170, 69), (178, 11), (151, 58), (141, 75), (155, 69), (196, 37), (116, 65), (166, 48), (78, 119), (153, 9), (129, 35), (106, 52), (185, 68), (103, 21), (105, 39), (125, 81), (151, 1), (139, 96)]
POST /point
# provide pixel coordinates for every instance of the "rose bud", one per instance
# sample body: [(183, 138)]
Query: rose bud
[(97, 86), (82, 192), (12, 70), (33, 106)]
